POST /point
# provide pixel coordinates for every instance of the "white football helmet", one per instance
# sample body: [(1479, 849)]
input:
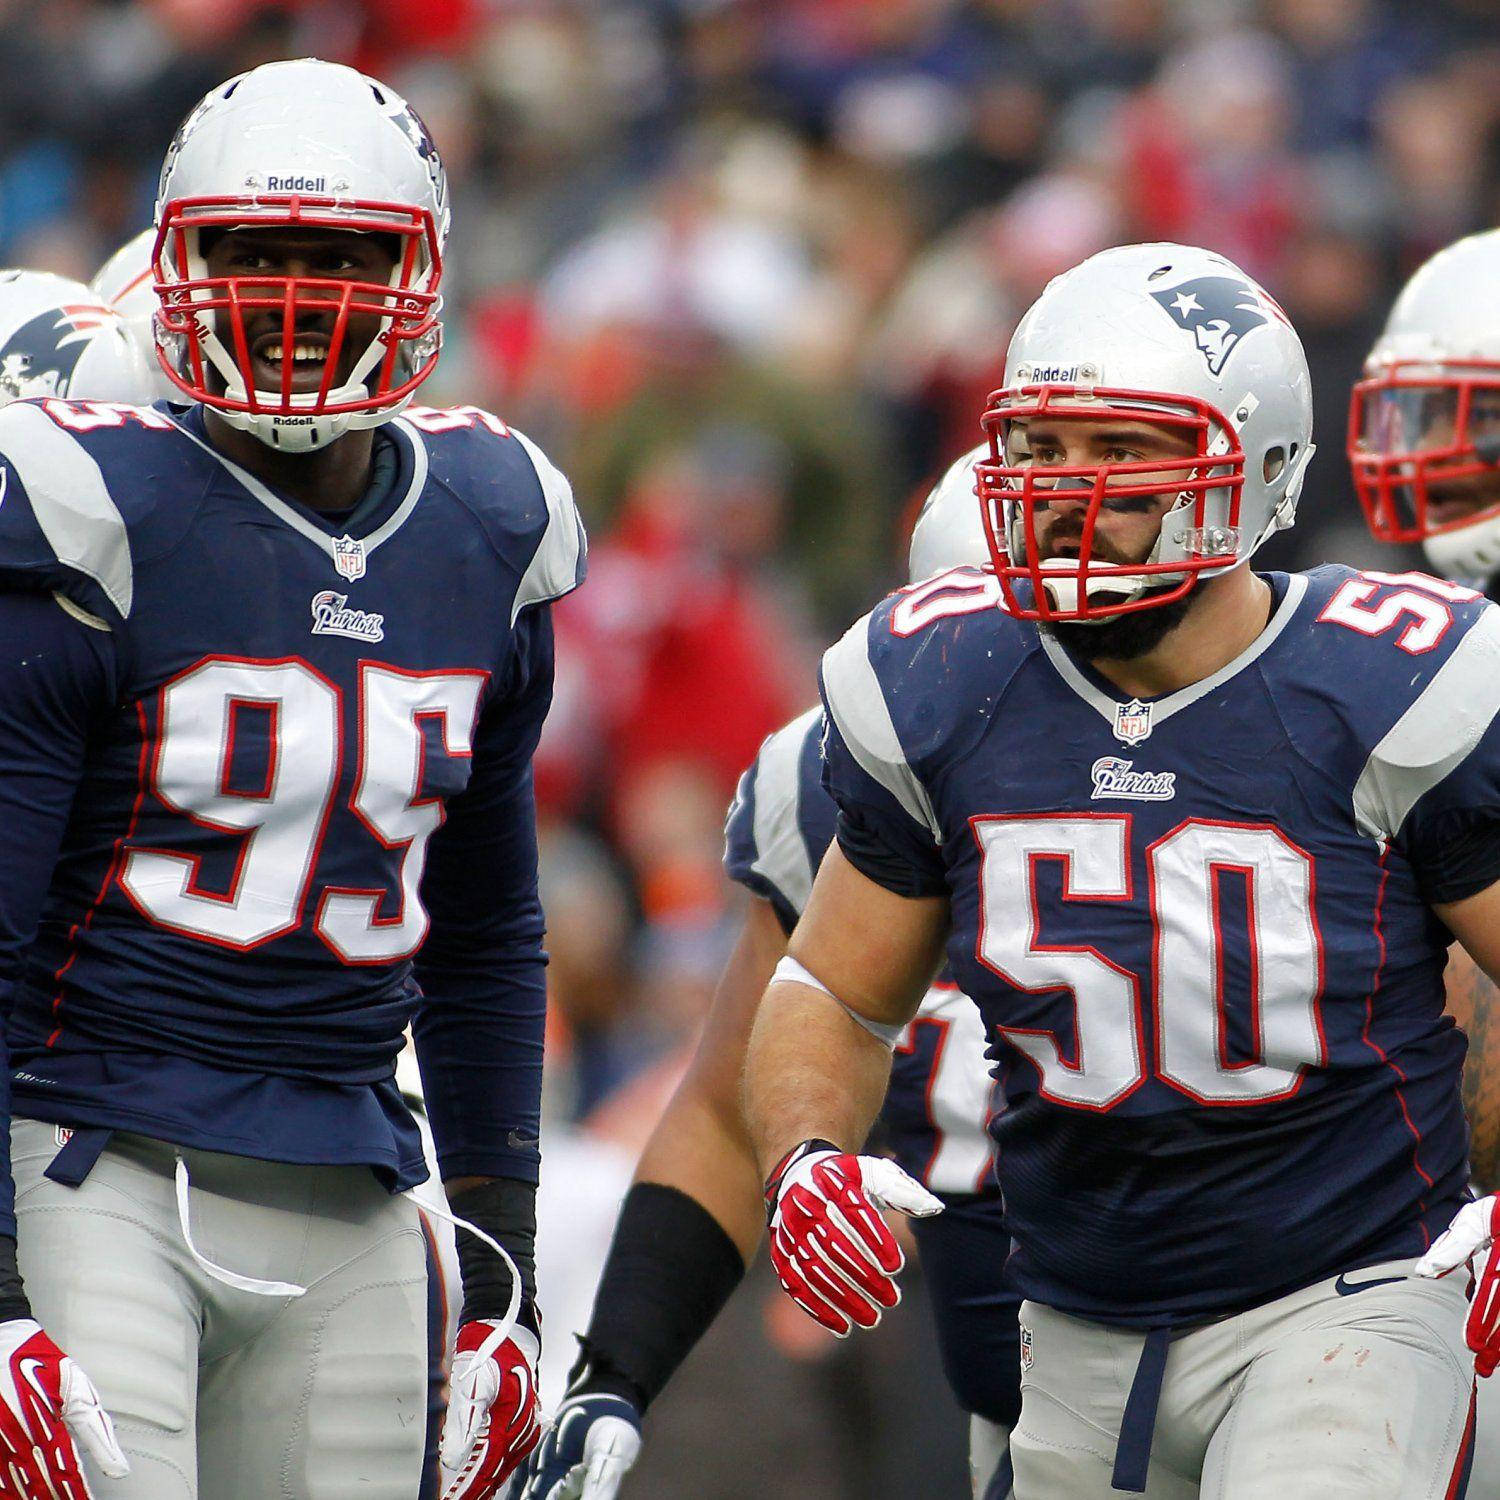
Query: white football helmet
[(1177, 337), (58, 339), (949, 532), (127, 283), (311, 145), (1424, 422)]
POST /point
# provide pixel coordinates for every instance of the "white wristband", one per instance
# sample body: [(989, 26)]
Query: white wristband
[(791, 972)]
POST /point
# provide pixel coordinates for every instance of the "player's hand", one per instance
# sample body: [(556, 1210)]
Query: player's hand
[(1475, 1228), (492, 1408), (834, 1255), (586, 1452), (48, 1410)]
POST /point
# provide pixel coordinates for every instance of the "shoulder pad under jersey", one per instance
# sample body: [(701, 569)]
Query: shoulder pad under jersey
[(781, 821), (521, 499), (88, 490), (916, 681), (1412, 666)]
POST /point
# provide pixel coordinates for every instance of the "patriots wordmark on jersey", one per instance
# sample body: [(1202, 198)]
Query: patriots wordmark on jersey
[(1200, 926), (287, 742), (941, 1095)]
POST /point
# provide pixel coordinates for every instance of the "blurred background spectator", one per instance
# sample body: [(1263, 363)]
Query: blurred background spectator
[(746, 268)]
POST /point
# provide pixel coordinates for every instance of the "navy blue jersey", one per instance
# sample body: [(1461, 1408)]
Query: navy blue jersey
[(268, 780), (941, 1095), (1199, 925)]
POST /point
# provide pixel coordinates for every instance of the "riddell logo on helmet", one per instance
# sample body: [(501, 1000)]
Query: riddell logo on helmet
[(296, 184), (1081, 374)]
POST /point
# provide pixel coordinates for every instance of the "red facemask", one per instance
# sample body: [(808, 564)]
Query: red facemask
[(1010, 494), (192, 304), (1413, 431)]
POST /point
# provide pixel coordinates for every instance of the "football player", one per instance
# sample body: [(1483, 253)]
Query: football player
[(1195, 839), (695, 1215), (1424, 447), (127, 283), (274, 666), (57, 338)]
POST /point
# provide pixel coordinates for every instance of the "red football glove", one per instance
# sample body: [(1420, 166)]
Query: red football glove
[(47, 1404), (834, 1255), (492, 1408), (1475, 1227)]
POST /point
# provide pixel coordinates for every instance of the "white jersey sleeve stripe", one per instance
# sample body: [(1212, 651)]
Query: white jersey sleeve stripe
[(69, 500), (558, 566), (859, 709), (781, 855), (1435, 734)]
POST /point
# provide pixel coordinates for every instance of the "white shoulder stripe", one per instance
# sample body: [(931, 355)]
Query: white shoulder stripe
[(69, 500), (780, 851), (859, 709), (557, 567), (1438, 731)]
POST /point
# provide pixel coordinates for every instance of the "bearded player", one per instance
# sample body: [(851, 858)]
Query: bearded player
[(695, 1216), (1233, 1124), (274, 666)]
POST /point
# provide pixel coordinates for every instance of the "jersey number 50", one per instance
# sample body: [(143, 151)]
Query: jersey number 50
[(1185, 871), (281, 823)]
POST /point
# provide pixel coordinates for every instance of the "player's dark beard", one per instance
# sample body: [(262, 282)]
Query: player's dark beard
[(1124, 637)]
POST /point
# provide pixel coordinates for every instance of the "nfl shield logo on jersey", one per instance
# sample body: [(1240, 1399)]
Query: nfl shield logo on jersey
[(349, 557), (1133, 721)]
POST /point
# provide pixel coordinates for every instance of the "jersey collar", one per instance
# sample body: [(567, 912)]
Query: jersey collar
[(396, 510), (1105, 698)]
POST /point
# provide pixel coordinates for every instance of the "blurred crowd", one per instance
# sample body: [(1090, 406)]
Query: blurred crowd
[(746, 269)]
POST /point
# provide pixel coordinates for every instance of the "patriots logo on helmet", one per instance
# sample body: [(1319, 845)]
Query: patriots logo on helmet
[(416, 131), (39, 358), (1218, 311)]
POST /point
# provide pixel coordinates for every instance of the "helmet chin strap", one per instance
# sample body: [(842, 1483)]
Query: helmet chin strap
[(294, 434), (1103, 580), (1122, 587)]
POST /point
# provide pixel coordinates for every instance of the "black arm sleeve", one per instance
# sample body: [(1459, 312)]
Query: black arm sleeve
[(671, 1268), (506, 1211)]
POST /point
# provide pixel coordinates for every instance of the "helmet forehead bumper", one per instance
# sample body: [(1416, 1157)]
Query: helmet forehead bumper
[(308, 128)]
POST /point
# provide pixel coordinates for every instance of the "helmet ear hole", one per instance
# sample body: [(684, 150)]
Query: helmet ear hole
[(1274, 463)]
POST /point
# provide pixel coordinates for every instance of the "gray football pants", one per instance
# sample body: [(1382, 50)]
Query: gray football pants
[(220, 1394), (989, 1444), (1315, 1396)]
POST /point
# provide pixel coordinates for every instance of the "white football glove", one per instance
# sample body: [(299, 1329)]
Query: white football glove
[(587, 1451), (1475, 1229), (47, 1405), (492, 1408)]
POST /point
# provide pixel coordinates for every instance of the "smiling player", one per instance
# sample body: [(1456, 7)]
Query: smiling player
[(274, 666)]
